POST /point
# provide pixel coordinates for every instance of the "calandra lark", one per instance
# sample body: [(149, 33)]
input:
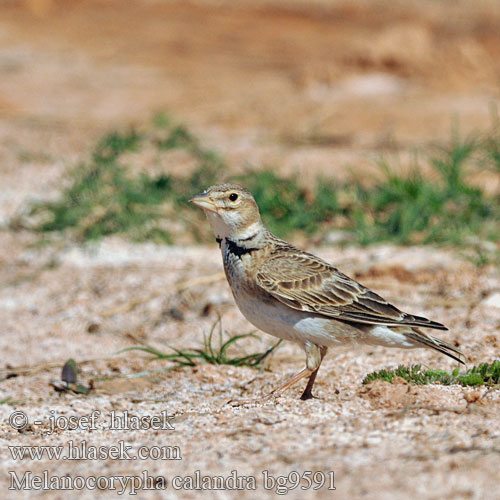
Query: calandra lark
[(297, 296)]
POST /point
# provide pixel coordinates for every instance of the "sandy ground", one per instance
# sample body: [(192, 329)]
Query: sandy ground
[(323, 89), (381, 440)]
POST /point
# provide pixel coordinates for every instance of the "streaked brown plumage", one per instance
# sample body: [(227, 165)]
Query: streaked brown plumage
[(307, 283), (295, 295)]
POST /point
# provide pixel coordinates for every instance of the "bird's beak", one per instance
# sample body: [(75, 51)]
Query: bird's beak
[(203, 201)]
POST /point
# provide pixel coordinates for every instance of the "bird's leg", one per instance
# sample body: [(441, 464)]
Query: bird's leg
[(314, 356), (307, 394)]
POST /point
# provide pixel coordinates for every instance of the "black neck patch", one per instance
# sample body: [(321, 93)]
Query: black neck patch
[(219, 241), (236, 250)]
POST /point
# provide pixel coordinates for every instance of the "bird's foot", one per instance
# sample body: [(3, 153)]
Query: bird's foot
[(308, 395)]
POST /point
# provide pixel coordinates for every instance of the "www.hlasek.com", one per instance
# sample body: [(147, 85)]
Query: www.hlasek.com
[(280, 484), (83, 451)]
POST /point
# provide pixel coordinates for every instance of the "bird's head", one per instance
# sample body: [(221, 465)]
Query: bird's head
[(230, 209)]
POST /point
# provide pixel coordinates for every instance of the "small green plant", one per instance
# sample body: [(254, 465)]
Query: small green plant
[(210, 353), (440, 208), (483, 374)]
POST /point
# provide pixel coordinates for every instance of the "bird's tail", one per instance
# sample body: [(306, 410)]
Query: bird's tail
[(437, 344)]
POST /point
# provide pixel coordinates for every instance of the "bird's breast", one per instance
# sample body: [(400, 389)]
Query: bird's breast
[(240, 262)]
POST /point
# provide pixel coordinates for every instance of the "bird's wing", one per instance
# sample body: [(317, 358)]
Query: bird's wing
[(305, 282)]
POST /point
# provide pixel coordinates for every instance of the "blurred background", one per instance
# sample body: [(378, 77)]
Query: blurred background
[(301, 88), (368, 131)]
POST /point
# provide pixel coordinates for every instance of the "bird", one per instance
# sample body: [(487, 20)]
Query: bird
[(297, 296)]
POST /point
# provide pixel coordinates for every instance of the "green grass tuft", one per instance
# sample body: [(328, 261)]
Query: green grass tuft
[(103, 197), (483, 374), (211, 353)]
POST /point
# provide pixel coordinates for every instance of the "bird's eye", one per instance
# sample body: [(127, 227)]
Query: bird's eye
[(233, 196)]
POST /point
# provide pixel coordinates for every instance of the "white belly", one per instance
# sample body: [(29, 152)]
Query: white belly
[(283, 322)]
